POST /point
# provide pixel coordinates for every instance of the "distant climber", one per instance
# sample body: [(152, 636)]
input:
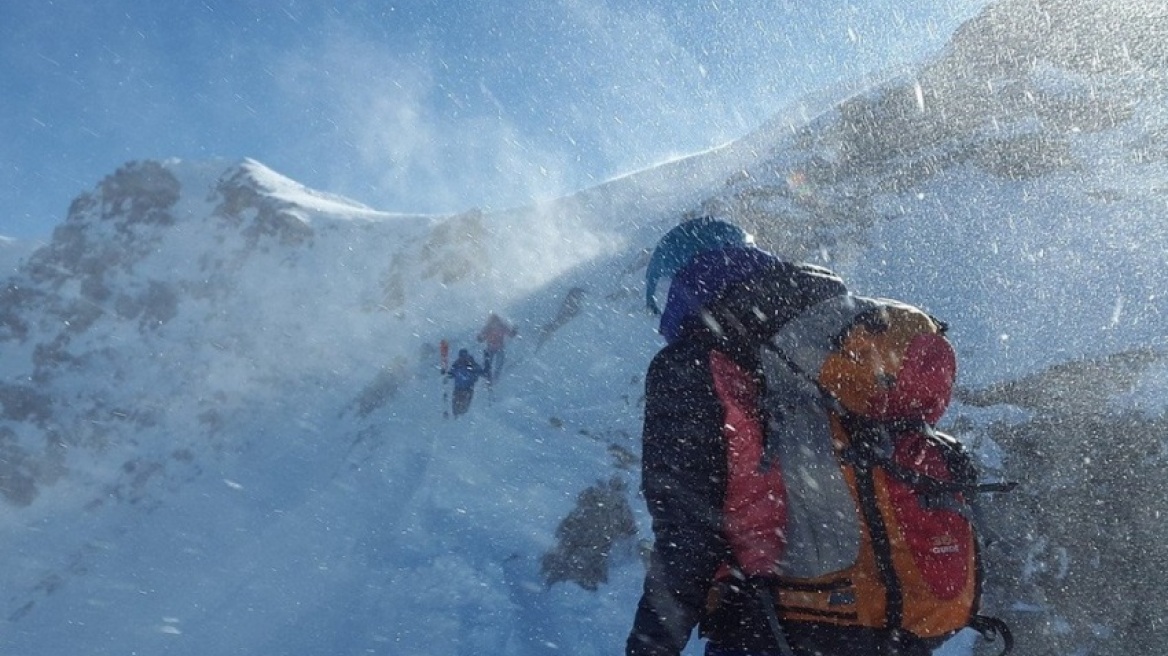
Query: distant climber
[(465, 372), (569, 309), (495, 334)]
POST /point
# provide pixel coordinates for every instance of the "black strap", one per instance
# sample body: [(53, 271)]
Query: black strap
[(770, 609), (992, 628), (864, 451), (864, 457)]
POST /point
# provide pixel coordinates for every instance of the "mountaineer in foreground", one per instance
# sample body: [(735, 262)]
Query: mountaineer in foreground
[(802, 501)]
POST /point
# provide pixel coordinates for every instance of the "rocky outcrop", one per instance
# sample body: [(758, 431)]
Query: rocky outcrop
[(1078, 553)]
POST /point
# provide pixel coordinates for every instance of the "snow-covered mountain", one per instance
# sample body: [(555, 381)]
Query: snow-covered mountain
[(224, 386), (12, 253), (222, 423)]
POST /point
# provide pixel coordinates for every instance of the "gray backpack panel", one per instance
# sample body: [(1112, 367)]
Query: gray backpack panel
[(823, 521)]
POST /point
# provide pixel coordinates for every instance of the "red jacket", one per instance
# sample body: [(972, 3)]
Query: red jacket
[(496, 332)]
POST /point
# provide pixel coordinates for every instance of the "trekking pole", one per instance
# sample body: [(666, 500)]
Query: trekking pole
[(767, 599), (443, 362)]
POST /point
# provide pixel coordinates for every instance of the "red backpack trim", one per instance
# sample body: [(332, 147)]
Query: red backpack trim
[(754, 510)]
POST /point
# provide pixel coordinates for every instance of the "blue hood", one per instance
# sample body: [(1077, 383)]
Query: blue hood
[(706, 276), (682, 243)]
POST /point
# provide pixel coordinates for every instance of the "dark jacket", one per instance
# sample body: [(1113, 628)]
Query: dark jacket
[(702, 393), (465, 372), (683, 478)]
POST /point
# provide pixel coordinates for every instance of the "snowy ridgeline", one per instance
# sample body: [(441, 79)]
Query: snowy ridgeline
[(12, 253), (223, 428)]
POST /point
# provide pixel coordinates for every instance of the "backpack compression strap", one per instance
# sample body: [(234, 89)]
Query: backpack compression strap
[(992, 628), (873, 435), (806, 341)]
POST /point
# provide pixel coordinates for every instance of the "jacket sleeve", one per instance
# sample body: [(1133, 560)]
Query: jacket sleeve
[(683, 480)]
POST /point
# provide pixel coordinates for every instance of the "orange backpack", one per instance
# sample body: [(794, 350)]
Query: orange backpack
[(878, 530)]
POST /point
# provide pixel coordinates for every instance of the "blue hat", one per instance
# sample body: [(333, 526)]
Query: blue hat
[(705, 278), (682, 243)]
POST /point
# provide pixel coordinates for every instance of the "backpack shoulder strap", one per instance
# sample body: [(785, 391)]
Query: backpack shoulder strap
[(805, 342)]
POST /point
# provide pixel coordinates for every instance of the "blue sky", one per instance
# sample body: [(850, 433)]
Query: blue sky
[(418, 106)]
